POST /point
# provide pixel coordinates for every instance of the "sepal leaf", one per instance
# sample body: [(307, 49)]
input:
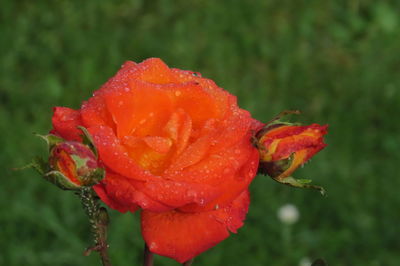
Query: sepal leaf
[(51, 140), (60, 180), (300, 183), (88, 140)]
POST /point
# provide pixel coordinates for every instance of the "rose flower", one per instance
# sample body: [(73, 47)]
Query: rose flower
[(283, 148), (176, 146)]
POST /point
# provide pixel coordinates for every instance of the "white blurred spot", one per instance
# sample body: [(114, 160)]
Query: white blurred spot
[(305, 262), (288, 214)]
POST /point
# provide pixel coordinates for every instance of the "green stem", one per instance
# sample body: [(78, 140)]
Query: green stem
[(287, 238), (188, 263), (98, 219), (148, 256)]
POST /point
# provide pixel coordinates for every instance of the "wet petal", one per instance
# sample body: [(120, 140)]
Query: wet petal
[(158, 144), (115, 156), (230, 185), (178, 193), (182, 236), (65, 122), (139, 111), (121, 194), (94, 113)]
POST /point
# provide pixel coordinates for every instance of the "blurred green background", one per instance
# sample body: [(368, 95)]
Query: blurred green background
[(337, 61)]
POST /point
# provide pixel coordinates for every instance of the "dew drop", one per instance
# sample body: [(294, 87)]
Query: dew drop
[(191, 193)]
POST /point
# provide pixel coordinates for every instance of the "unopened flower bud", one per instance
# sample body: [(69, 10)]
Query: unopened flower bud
[(73, 165), (283, 148)]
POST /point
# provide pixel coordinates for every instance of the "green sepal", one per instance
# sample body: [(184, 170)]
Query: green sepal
[(277, 118), (51, 140), (300, 183), (274, 123), (88, 140), (60, 180), (38, 164), (275, 168), (304, 181)]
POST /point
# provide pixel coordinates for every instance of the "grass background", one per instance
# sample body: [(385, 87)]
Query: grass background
[(337, 61)]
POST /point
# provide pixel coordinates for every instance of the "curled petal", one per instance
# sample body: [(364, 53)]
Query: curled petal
[(115, 156)]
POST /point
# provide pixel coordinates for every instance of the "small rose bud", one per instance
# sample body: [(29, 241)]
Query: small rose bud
[(74, 165), (283, 148)]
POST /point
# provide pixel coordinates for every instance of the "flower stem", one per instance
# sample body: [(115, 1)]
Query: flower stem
[(98, 219), (188, 263), (148, 256)]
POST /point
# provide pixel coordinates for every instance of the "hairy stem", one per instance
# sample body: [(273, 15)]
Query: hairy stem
[(98, 219)]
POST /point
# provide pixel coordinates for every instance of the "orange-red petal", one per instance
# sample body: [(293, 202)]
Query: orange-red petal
[(65, 122), (182, 236), (230, 184), (115, 156), (100, 190), (178, 193), (121, 194)]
